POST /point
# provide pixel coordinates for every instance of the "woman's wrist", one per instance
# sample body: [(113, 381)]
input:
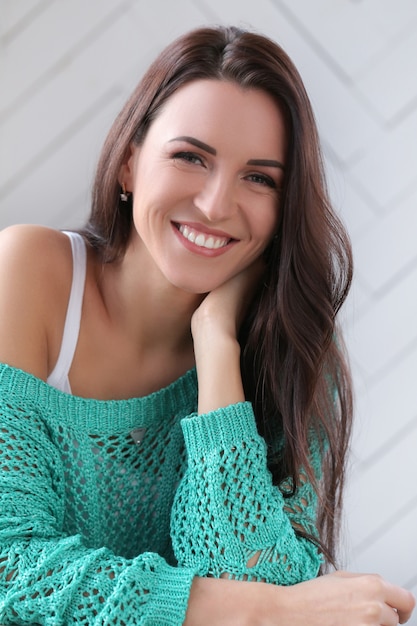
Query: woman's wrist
[(218, 373), (223, 602)]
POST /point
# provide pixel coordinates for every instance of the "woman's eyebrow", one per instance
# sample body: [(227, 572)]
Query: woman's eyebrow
[(266, 163), (197, 143)]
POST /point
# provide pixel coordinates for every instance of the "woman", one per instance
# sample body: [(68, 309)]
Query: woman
[(175, 404)]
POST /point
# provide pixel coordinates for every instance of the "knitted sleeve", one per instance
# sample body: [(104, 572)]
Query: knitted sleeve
[(300, 505), (228, 518), (51, 579)]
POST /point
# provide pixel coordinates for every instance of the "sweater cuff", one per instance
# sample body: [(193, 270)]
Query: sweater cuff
[(170, 595), (225, 427)]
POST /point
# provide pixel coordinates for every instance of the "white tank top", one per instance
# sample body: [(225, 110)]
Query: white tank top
[(59, 377)]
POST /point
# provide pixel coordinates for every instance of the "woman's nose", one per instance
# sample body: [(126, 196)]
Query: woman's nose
[(217, 199)]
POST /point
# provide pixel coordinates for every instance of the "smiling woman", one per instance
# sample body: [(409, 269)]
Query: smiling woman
[(175, 402), (202, 190)]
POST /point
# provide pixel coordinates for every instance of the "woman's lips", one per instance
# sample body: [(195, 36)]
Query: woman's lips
[(206, 240), (202, 240)]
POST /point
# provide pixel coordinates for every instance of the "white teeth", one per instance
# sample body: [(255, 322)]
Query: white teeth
[(188, 234), (200, 240), (210, 242)]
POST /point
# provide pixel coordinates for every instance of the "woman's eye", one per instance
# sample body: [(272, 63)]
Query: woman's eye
[(262, 179), (189, 157)]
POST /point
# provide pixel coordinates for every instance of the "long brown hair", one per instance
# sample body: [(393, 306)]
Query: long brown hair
[(294, 368)]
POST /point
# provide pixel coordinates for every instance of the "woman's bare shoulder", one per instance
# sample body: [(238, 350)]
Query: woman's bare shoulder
[(20, 241), (35, 278), (29, 256)]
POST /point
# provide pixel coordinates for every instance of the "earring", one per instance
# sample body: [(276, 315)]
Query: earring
[(124, 194)]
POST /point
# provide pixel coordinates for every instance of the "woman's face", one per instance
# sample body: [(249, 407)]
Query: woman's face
[(206, 183)]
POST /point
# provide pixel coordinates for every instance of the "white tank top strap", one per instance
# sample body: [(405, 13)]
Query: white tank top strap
[(59, 377)]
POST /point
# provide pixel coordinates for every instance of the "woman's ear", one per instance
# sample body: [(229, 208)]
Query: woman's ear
[(127, 169)]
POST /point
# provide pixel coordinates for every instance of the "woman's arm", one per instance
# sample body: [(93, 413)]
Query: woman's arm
[(29, 293), (215, 325), (339, 599), (228, 517), (48, 576)]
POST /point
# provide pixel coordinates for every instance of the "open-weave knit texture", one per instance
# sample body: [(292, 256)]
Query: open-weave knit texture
[(97, 529)]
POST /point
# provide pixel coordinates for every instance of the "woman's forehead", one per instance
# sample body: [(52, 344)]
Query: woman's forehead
[(222, 111)]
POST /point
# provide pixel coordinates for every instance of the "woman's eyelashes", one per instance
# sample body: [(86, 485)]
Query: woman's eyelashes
[(189, 157), (262, 179)]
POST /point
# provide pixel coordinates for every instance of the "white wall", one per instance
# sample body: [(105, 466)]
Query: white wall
[(66, 67)]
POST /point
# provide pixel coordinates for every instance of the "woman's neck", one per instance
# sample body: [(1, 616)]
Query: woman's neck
[(143, 305)]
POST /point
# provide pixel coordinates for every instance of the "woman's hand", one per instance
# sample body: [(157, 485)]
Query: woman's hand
[(223, 309), (215, 326), (346, 599), (339, 599)]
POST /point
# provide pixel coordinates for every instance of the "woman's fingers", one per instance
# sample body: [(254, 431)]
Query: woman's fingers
[(226, 305), (402, 601), (386, 603)]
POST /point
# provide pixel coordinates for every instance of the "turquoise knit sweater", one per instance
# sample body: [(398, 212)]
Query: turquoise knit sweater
[(108, 509)]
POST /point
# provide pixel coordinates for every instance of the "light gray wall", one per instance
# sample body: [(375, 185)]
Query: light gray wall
[(66, 67)]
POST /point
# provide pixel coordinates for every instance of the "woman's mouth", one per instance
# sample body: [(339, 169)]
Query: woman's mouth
[(203, 240)]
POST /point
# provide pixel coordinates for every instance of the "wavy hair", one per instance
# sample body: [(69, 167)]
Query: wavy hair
[(294, 367)]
